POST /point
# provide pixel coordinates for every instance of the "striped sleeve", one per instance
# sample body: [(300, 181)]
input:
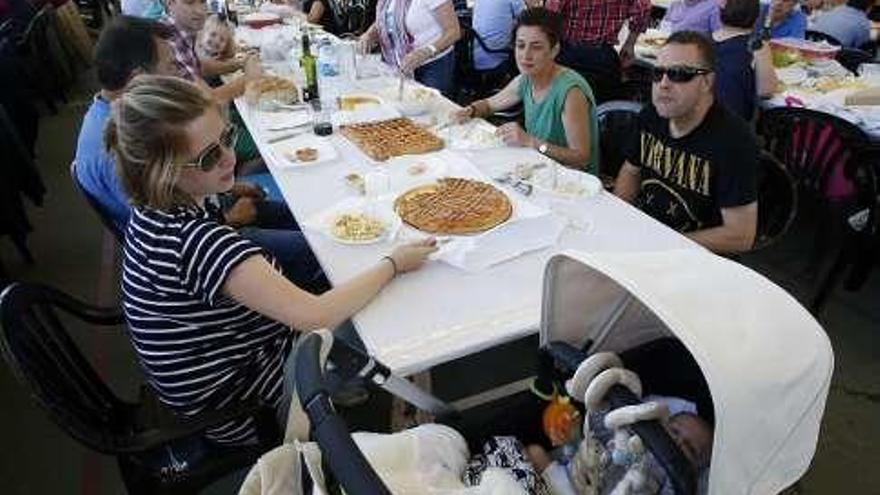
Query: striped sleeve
[(210, 251)]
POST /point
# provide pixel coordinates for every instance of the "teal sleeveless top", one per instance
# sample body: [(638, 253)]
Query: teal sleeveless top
[(544, 118)]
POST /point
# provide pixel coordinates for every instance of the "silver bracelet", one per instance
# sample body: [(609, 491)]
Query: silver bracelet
[(393, 264)]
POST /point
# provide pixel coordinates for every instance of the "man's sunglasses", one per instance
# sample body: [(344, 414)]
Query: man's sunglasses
[(211, 156), (677, 73)]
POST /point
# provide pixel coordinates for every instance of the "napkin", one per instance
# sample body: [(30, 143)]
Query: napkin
[(511, 240)]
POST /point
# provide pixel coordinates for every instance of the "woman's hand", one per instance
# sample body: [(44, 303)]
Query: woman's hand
[(415, 59), (409, 257), (253, 68), (514, 135), (462, 114)]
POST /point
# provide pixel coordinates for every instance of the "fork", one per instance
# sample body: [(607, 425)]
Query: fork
[(519, 186), (274, 106)]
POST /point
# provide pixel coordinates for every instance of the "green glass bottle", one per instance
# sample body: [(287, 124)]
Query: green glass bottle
[(310, 70)]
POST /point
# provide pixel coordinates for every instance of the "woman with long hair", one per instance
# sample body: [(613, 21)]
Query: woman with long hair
[(211, 316)]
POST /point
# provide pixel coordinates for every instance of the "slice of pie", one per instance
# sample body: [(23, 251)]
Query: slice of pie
[(454, 206)]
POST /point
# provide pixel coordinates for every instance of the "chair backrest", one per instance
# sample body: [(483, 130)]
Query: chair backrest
[(45, 359), (820, 36), (473, 82), (96, 205), (618, 120), (777, 201), (852, 58), (824, 154), (350, 16)]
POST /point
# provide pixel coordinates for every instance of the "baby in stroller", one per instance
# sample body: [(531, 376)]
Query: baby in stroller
[(662, 366), (691, 433)]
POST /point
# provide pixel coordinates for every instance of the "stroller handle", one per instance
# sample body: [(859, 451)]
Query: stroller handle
[(344, 457)]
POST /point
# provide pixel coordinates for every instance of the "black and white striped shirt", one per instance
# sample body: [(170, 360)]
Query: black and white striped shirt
[(201, 350)]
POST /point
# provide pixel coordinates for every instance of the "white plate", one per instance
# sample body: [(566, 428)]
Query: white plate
[(380, 210), (472, 135), (791, 76), (326, 151), (374, 101), (417, 99), (569, 184)]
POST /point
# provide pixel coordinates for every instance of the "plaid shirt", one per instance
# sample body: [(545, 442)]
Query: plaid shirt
[(599, 21), (184, 46)]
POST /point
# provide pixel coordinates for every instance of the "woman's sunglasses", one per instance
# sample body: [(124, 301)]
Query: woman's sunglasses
[(677, 73), (211, 156)]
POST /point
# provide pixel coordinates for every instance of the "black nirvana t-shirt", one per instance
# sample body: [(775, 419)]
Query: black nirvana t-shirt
[(687, 181)]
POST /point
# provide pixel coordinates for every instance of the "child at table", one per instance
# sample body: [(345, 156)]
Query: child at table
[(216, 40)]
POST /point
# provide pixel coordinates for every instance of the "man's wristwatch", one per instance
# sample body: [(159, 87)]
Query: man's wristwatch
[(542, 148)]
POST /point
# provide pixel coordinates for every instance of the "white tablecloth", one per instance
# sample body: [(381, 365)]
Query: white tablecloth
[(440, 313)]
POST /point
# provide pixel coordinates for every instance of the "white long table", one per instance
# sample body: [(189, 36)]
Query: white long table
[(440, 313)]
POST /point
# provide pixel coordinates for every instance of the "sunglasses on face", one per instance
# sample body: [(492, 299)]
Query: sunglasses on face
[(677, 73), (211, 156)]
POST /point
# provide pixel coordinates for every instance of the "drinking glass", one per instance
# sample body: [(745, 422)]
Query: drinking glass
[(322, 114), (377, 183)]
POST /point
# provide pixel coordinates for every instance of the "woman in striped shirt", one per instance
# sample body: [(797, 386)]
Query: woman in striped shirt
[(210, 314)]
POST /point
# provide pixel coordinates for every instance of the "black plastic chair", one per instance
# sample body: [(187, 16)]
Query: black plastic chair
[(777, 201), (475, 83), (106, 218), (820, 36), (852, 58), (830, 161), (618, 121), (42, 52), (156, 452)]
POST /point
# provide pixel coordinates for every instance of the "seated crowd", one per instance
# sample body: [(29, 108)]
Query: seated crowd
[(213, 260)]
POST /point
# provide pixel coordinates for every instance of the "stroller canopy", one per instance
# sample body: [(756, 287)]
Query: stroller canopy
[(767, 362)]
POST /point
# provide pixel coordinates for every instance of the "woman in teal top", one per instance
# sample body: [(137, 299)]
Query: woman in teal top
[(560, 111)]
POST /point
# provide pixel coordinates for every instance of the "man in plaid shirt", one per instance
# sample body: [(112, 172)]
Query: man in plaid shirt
[(591, 29), (186, 18)]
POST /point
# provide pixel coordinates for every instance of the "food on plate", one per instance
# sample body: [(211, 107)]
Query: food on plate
[(351, 102), (306, 154), (653, 42), (357, 227), (826, 84), (417, 169), (419, 94), (259, 20), (653, 38), (272, 89), (525, 171), (571, 188), (454, 206), (357, 182), (784, 58), (383, 139)]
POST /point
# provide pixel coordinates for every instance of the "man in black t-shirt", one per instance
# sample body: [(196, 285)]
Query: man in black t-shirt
[(693, 164)]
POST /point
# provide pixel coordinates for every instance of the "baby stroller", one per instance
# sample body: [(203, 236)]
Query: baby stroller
[(765, 361)]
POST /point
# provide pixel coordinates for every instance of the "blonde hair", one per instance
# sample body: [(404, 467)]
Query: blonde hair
[(214, 22), (146, 136)]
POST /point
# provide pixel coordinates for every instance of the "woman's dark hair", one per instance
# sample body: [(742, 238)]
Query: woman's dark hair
[(126, 43), (699, 40), (550, 23), (862, 5), (740, 13)]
